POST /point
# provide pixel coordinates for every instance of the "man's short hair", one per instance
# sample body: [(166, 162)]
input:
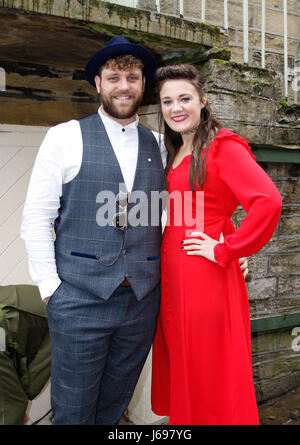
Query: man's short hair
[(124, 62)]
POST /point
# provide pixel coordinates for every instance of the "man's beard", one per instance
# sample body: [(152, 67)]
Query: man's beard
[(119, 112)]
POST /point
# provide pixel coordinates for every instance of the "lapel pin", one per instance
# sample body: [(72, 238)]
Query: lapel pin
[(149, 160)]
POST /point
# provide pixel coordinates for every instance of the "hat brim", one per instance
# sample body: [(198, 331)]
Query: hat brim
[(99, 58)]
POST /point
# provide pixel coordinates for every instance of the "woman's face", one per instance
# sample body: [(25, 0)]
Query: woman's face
[(181, 105)]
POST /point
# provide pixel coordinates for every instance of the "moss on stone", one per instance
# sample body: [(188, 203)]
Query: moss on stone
[(137, 36), (126, 13), (220, 61), (283, 103)]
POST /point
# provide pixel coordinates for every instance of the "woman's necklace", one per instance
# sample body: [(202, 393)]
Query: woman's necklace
[(192, 130)]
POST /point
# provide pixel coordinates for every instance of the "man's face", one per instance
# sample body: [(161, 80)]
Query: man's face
[(120, 91)]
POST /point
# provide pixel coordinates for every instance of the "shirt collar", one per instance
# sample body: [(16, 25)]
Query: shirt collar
[(114, 125)]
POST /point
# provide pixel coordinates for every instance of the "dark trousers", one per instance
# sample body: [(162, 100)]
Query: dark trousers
[(25, 362), (98, 351)]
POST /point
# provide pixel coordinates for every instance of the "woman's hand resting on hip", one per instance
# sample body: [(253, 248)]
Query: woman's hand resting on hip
[(205, 247)]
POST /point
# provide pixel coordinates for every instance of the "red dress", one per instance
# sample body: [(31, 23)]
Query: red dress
[(201, 364)]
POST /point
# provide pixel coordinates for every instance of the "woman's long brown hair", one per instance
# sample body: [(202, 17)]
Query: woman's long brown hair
[(205, 132)]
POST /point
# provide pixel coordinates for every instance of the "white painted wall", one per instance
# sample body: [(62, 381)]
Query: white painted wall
[(18, 149)]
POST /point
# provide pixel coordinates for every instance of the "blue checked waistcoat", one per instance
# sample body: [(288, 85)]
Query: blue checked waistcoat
[(97, 258)]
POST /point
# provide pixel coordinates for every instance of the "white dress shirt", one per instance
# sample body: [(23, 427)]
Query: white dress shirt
[(58, 161)]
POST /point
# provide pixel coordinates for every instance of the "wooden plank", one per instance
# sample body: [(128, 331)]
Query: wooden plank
[(6, 153), (20, 136), (10, 259), (16, 168), (10, 230), (15, 197), (19, 274)]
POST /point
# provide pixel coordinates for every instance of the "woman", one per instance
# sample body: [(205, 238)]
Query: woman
[(202, 371)]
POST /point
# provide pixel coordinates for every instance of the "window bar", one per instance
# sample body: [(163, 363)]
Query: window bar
[(158, 6), (226, 15), (285, 48), (245, 31), (263, 33), (202, 10), (296, 80), (181, 8)]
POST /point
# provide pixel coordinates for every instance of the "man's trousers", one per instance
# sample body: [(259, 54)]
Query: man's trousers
[(98, 351)]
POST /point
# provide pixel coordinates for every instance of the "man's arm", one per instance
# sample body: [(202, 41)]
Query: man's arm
[(56, 163)]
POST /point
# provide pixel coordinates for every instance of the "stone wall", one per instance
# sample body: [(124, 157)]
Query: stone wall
[(276, 366), (273, 285), (247, 100), (274, 279)]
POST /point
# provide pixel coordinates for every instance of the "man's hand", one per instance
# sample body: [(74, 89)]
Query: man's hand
[(46, 300), (244, 266)]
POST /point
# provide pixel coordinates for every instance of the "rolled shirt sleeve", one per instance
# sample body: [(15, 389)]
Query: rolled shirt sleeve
[(43, 201)]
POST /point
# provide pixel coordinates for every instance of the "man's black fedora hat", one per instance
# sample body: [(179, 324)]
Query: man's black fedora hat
[(118, 46)]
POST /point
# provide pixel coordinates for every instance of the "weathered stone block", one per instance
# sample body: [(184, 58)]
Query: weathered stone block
[(289, 190), (238, 216), (291, 4), (273, 387), (289, 225), (254, 133), (281, 246), (274, 306), (289, 285), (285, 340), (151, 5), (281, 170), (263, 343), (273, 42), (274, 22), (168, 6), (276, 367), (258, 267), (241, 107), (243, 79), (261, 288), (285, 263), (290, 210)]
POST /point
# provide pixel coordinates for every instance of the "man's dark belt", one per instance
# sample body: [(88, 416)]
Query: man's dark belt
[(125, 283)]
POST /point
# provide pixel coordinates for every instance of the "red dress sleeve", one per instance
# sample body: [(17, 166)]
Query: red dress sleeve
[(256, 193)]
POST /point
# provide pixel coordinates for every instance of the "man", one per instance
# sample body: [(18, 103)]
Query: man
[(102, 281)]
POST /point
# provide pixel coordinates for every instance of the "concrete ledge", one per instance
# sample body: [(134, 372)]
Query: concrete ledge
[(275, 323)]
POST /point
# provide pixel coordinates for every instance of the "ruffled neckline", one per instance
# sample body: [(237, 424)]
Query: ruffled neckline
[(182, 160), (225, 134)]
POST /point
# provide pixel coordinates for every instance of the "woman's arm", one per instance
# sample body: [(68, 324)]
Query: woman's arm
[(259, 198)]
